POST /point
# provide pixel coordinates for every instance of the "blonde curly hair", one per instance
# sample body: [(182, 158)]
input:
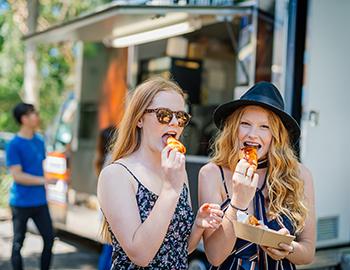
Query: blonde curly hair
[(284, 186)]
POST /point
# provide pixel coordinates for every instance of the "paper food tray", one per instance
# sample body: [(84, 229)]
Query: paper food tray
[(260, 236)]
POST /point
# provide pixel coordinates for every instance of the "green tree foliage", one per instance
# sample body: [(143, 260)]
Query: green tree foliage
[(55, 61), (11, 67)]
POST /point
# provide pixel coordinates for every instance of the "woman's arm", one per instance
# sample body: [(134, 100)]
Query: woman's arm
[(116, 195), (196, 232), (301, 251), (218, 243), (195, 237), (209, 216), (304, 247)]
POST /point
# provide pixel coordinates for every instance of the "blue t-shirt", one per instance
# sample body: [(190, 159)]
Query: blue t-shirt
[(29, 153)]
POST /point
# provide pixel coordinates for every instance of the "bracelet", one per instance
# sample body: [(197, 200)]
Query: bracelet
[(239, 209)]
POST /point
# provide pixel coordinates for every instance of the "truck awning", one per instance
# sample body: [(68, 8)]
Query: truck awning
[(114, 20)]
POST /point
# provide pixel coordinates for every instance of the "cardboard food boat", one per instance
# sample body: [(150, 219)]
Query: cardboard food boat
[(260, 235)]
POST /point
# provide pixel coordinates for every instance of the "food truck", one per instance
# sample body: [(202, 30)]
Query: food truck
[(215, 52)]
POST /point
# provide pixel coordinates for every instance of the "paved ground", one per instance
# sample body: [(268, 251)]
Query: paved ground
[(69, 252), (72, 252)]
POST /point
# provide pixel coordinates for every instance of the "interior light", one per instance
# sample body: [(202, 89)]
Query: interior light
[(156, 34)]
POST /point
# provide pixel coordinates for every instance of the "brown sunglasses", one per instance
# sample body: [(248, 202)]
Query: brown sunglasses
[(165, 115)]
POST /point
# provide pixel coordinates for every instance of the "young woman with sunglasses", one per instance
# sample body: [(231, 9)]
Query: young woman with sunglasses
[(144, 193), (279, 192)]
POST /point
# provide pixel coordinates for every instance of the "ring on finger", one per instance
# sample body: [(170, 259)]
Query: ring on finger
[(250, 171)]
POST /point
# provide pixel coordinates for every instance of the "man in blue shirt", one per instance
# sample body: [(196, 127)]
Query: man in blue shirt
[(24, 157)]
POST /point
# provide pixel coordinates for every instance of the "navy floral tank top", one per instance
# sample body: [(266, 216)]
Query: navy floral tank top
[(247, 255), (173, 251)]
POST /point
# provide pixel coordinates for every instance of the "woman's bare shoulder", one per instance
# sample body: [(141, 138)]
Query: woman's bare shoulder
[(209, 168), (304, 172), (306, 176), (112, 169), (115, 175), (210, 172)]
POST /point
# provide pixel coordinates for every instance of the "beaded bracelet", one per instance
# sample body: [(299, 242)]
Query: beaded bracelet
[(239, 209)]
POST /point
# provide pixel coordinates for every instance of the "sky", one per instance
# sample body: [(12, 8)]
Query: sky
[(4, 6)]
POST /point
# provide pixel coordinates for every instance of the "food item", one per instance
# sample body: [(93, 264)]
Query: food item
[(250, 154), (246, 218), (258, 234), (205, 207), (252, 220), (175, 144)]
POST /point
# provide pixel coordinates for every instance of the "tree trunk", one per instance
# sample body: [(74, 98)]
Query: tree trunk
[(31, 91)]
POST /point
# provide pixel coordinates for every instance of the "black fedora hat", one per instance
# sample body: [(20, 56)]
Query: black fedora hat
[(262, 94)]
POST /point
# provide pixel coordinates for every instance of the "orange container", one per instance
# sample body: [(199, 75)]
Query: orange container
[(55, 166)]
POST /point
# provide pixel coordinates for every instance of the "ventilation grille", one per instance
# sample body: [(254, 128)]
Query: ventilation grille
[(327, 228)]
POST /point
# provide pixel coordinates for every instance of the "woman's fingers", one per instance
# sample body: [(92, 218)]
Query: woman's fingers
[(217, 212), (244, 172), (211, 209), (168, 154), (250, 172), (276, 254), (177, 158), (283, 231), (264, 249), (165, 152), (250, 178), (254, 182), (288, 248), (214, 225), (216, 218), (214, 206), (204, 207), (182, 159), (172, 155), (209, 222), (268, 252), (241, 169), (280, 254)]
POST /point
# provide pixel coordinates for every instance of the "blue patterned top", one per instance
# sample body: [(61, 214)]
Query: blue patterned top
[(173, 251), (248, 256)]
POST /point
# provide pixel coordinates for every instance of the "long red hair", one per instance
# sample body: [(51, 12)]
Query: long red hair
[(129, 134)]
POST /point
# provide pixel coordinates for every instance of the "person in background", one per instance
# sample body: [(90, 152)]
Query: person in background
[(104, 144), (25, 154), (103, 147), (144, 193), (279, 193)]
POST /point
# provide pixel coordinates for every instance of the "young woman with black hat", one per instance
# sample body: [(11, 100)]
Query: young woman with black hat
[(279, 193)]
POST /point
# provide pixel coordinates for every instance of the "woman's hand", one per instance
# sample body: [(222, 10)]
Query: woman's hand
[(173, 165), (283, 251), (209, 216), (244, 184)]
